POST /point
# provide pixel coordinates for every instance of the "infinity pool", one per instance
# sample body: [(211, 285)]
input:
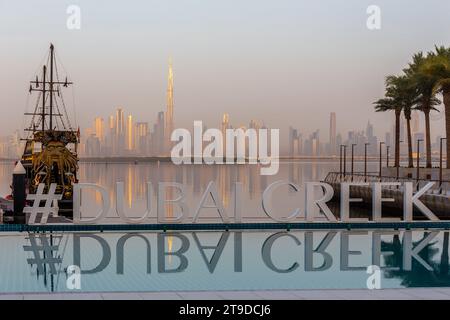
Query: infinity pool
[(148, 261)]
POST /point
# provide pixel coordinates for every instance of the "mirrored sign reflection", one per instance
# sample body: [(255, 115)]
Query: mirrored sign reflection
[(222, 260)]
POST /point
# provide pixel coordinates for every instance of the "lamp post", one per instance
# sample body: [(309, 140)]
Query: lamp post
[(365, 161), (381, 153), (387, 156), (353, 157), (440, 159), (340, 160), (418, 160), (398, 167), (345, 159)]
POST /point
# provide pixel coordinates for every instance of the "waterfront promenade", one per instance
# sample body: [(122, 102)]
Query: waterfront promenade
[(332, 294)]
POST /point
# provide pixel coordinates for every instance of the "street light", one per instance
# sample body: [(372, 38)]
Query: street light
[(345, 158), (398, 166), (418, 160), (440, 159), (381, 144), (365, 161), (353, 158), (387, 156)]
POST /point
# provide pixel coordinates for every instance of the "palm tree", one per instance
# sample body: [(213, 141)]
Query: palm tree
[(438, 67), (400, 96), (425, 83), (391, 103), (403, 90)]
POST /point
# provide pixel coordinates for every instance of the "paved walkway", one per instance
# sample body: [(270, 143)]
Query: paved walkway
[(353, 294)]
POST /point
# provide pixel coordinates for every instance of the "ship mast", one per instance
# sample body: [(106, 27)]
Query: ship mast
[(44, 71), (51, 86), (47, 87)]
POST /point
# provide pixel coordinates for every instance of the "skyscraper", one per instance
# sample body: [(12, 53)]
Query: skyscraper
[(225, 123), (415, 119), (333, 133), (295, 143), (159, 134), (120, 122), (369, 130), (130, 133), (99, 126), (111, 138), (141, 138), (169, 125), (120, 131)]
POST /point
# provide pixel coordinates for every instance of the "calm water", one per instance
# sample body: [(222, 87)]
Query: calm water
[(216, 260), (223, 260)]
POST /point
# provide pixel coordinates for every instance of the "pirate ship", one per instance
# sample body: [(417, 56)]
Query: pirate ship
[(51, 143)]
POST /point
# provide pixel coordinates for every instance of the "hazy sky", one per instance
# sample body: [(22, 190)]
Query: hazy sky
[(282, 62)]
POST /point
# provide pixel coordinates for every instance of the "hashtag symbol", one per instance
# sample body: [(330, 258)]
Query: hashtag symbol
[(47, 254), (47, 209)]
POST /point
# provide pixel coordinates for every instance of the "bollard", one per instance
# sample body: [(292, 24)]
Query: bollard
[(19, 194)]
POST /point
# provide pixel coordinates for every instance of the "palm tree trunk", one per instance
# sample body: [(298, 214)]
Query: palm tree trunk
[(397, 138), (409, 137), (447, 123), (428, 137)]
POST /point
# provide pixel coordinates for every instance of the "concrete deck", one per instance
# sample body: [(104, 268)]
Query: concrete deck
[(352, 294)]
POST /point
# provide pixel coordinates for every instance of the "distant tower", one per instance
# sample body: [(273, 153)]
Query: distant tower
[(120, 131), (333, 133), (111, 138), (120, 122), (130, 133), (169, 125), (415, 126), (369, 130), (225, 123), (99, 128), (160, 133), (111, 123), (141, 138)]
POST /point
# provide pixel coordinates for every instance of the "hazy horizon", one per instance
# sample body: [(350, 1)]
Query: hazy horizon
[(286, 63)]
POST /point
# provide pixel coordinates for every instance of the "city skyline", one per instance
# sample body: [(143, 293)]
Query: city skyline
[(241, 62)]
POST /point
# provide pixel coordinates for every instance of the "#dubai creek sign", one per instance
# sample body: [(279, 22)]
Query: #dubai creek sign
[(316, 195)]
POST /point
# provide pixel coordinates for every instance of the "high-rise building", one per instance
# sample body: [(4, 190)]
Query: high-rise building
[(120, 132), (295, 142), (315, 144), (120, 122), (130, 133), (159, 135), (225, 122), (333, 133), (169, 123), (111, 123), (99, 126), (141, 140), (369, 130)]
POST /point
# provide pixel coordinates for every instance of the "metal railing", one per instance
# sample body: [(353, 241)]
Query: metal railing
[(441, 188)]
